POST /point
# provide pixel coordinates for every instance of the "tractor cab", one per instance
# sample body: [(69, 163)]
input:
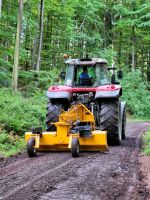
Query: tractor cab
[(86, 73)]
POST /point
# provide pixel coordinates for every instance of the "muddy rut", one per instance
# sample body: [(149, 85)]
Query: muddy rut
[(93, 176)]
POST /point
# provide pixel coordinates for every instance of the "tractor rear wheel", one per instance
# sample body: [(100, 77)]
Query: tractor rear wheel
[(30, 148), (53, 112), (110, 122), (124, 124)]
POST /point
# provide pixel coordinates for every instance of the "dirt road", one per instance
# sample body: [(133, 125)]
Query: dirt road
[(93, 176)]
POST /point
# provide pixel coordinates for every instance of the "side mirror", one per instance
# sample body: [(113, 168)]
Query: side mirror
[(120, 74), (62, 75), (113, 79)]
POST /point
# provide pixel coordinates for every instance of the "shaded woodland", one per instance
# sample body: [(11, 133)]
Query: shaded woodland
[(116, 30)]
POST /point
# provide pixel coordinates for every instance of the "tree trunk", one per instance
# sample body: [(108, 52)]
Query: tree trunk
[(141, 59), (35, 43), (133, 48), (120, 48), (6, 41), (107, 35), (41, 36), (0, 8), (17, 46), (148, 67), (34, 52)]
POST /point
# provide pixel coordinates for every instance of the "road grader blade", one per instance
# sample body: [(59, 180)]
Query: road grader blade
[(75, 132)]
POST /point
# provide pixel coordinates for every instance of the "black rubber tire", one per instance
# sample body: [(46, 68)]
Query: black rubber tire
[(75, 148), (124, 124), (53, 111), (109, 121), (30, 148)]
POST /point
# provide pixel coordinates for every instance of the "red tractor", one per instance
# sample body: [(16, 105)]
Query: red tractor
[(87, 82)]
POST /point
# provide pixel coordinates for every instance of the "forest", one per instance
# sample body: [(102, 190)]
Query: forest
[(34, 35)]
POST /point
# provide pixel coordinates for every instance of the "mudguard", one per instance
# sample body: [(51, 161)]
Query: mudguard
[(122, 110), (107, 94), (59, 92), (59, 95), (123, 106)]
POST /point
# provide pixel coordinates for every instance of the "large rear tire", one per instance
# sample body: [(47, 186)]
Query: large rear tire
[(110, 121), (53, 112), (124, 124)]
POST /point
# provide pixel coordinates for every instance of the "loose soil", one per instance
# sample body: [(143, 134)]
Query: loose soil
[(145, 170), (92, 176)]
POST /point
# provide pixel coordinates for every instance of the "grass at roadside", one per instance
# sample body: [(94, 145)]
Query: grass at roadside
[(18, 115), (146, 143), (137, 120), (10, 144)]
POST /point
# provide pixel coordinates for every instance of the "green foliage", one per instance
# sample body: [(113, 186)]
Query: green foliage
[(136, 95), (146, 143), (77, 27), (10, 144), (107, 29), (5, 75), (21, 114), (31, 81)]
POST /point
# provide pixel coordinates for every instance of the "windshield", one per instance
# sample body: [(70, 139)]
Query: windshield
[(86, 75), (101, 75), (69, 75)]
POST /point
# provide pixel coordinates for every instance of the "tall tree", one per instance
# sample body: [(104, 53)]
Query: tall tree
[(40, 36), (0, 7), (17, 46), (76, 27)]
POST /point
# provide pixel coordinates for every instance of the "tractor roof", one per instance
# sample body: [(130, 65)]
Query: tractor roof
[(86, 62)]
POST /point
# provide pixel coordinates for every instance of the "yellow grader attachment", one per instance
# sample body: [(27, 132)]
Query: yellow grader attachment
[(75, 132)]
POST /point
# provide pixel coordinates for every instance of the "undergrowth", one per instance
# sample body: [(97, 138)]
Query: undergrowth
[(10, 144), (24, 109), (136, 95), (146, 143), (20, 114), (32, 81)]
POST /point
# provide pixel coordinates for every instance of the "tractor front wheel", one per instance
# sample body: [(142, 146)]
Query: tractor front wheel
[(30, 148), (75, 148)]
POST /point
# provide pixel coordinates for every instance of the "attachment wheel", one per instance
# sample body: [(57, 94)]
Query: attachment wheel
[(75, 148), (30, 148)]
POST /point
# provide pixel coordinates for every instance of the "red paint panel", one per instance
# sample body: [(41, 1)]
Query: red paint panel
[(109, 87)]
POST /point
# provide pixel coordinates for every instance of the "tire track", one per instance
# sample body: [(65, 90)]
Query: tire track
[(28, 172), (34, 180), (111, 176)]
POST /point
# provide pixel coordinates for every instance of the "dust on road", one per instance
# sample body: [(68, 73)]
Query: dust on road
[(93, 176)]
